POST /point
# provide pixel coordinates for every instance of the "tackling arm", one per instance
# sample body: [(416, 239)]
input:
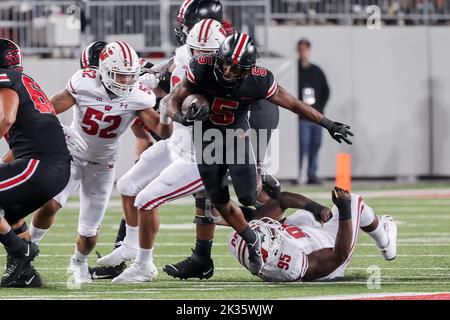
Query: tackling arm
[(325, 261), (151, 118), (143, 139), (9, 104)]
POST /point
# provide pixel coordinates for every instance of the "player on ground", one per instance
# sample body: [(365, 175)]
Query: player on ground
[(165, 172), (106, 102), (231, 82), (298, 248), (41, 165)]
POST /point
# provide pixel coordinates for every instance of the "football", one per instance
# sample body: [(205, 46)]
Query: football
[(198, 99)]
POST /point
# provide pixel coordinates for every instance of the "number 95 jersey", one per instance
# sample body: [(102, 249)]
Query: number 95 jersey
[(100, 119)]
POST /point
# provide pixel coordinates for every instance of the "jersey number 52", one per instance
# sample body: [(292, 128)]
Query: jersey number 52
[(91, 127)]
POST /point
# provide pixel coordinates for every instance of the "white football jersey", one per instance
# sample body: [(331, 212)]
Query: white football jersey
[(181, 61), (286, 260), (101, 120)]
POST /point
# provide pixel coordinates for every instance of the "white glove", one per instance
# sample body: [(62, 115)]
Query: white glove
[(163, 116), (151, 80), (74, 140)]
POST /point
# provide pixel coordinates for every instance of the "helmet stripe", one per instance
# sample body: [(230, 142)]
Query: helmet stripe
[(84, 58), (238, 52), (184, 7), (201, 30), (129, 52), (208, 28), (123, 51)]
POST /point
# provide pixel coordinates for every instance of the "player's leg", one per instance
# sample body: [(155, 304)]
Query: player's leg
[(199, 264), (313, 154), (178, 180), (44, 217), (151, 163), (95, 192), (382, 230)]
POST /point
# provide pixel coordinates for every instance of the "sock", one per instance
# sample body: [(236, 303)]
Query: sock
[(79, 256), (132, 237), (379, 236), (144, 256), (203, 248), (14, 245), (249, 235), (121, 233), (37, 234)]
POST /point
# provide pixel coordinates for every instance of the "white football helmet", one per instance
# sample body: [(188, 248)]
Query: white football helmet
[(206, 35), (119, 68), (271, 235)]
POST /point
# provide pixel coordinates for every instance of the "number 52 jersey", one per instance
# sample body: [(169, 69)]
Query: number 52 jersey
[(101, 120)]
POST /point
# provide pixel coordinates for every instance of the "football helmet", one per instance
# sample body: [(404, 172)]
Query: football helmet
[(119, 68), (206, 35), (234, 60), (91, 54), (192, 11), (10, 55)]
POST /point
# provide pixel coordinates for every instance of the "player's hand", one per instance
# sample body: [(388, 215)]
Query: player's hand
[(325, 216), (343, 201), (197, 112), (74, 140), (151, 80), (338, 131)]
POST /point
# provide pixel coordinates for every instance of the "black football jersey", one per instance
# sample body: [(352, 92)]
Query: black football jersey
[(36, 133), (229, 107)]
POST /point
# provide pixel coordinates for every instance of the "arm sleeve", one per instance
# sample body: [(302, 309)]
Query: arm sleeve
[(9, 79), (271, 85)]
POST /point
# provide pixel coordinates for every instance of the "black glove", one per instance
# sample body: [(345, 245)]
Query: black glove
[(339, 131)]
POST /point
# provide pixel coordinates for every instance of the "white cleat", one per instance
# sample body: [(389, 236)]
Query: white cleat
[(137, 273), (390, 251), (117, 256), (80, 271)]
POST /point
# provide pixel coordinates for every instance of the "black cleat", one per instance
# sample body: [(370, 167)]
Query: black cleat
[(29, 278), (15, 265), (191, 267), (107, 272), (255, 256)]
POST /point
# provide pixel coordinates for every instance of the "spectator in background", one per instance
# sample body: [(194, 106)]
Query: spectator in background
[(312, 89)]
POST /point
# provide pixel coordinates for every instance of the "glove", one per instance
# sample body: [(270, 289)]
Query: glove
[(338, 131), (151, 80), (74, 140), (343, 201)]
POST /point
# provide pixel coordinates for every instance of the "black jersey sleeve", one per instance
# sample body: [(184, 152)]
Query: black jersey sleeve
[(265, 82), (199, 69), (9, 79)]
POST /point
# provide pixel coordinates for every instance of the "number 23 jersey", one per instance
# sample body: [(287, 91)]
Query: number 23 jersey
[(101, 120)]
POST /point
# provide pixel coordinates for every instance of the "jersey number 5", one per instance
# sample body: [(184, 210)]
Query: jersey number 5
[(91, 127), (220, 115), (40, 100)]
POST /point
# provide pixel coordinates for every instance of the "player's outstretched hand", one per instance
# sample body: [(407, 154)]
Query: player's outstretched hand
[(340, 131), (74, 140), (151, 80)]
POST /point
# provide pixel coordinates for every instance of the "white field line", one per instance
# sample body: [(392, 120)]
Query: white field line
[(367, 296)]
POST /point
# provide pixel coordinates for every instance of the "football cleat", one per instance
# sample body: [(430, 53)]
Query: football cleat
[(255, 256), (29, 278), (390, 251), (137, 273), (191, 267), (80, 271), (15, 265), (117, 256), (107, 272)]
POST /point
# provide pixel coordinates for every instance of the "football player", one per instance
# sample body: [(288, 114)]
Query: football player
[(40, 167), (165, 172), (232, 82), (298, 248), (106, 103)]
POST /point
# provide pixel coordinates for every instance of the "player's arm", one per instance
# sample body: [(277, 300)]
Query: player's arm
[(338, 131), (151, 118), (323, 262), (62, 101), (275, 208), (143, 139), (8, 157), (9, 104), (176, 98)]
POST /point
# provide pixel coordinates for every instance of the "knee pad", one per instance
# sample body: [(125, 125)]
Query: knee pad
[(146, 201), (126, 187), (88, 231), (247, 200)]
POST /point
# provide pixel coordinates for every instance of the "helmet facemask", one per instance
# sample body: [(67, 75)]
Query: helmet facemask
[(118, 82), (233, 76)]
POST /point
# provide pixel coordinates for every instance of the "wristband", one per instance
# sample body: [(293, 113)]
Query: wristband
[(326, 123), (314, 208)]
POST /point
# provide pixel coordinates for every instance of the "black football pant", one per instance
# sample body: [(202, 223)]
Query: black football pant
[(27, 184), (234, 158)]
